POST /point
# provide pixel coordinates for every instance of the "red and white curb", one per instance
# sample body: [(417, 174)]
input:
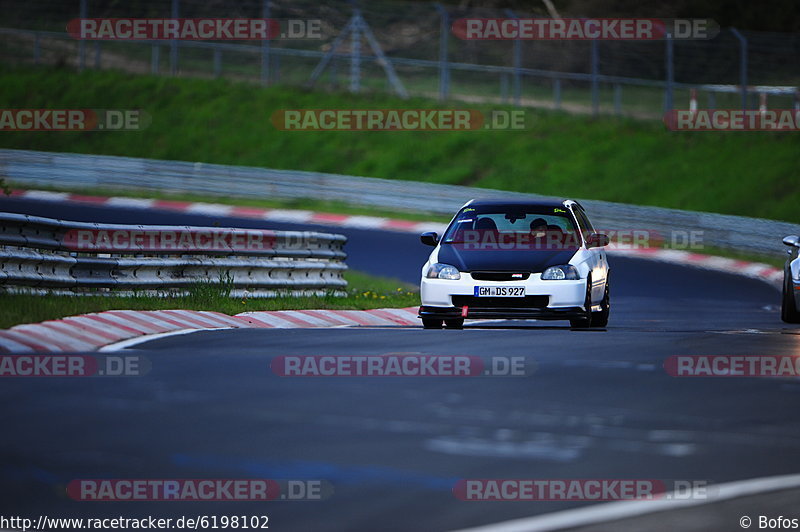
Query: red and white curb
[(754, 270), (217, 209), (90, 332)]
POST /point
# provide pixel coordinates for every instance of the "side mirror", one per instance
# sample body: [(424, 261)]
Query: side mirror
[(429, 239), (597, 240), (792, 240)]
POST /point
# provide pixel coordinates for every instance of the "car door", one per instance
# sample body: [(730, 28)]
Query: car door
[(598, 261)]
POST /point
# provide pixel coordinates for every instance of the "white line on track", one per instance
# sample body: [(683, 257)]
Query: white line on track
[(130, 342), (614, 511)]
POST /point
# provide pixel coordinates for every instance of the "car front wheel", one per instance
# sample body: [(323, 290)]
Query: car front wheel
[(585, 320), (600, 319)]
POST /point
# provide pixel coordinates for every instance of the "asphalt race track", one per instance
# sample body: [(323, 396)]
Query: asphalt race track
[(598, 405)]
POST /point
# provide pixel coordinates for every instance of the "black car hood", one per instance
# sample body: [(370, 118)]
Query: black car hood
[(528, 260)]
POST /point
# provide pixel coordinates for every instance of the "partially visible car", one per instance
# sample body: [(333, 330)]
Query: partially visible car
[(790, 308)]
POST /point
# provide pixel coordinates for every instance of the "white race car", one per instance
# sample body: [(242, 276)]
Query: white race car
[(790, 309), (516, 260)]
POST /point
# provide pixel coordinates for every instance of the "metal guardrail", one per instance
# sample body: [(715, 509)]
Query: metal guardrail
[(46, 255), (30, 168)]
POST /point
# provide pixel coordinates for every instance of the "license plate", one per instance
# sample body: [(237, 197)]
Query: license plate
[(499, 291)]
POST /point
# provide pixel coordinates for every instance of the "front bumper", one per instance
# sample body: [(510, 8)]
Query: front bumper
[(545, 300), (501, 313)]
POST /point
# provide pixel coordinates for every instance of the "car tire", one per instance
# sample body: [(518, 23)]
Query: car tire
[(789, 311), (600, 319), (585, 320), (457, 323), (431, 323)]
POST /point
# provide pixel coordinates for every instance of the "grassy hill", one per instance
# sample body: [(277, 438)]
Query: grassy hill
[(624, 160)]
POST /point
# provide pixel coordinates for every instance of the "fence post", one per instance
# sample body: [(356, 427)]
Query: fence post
[(670, 67), (173, 44), (617, 99), (155, 59), (517, 64), (37, 48), (444, 34), (333, 73), (84, 13), (265, 47), (217, 62), (355, 54), (742, 65), (557, 93), (595, 85), (796, 105), (97, 55)]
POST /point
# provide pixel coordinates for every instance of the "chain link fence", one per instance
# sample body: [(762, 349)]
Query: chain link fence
[(637, 78)]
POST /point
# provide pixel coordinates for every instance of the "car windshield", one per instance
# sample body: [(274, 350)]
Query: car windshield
[(512, 224)]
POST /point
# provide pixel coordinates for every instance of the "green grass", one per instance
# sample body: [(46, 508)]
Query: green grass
[(623, 160), (363, 292)]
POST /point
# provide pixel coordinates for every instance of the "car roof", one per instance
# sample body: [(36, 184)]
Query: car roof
[(501, 203)]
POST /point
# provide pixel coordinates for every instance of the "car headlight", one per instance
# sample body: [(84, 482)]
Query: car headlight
[(565, 272), (443, 271)]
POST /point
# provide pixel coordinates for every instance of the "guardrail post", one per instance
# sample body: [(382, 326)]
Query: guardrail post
[(669, 63), (742, 65), (517, 64), (155, 59), (444, 34), (265, 48), (595, 84), (173, 44), (84, 13)]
